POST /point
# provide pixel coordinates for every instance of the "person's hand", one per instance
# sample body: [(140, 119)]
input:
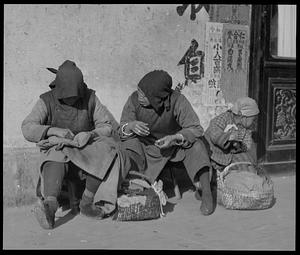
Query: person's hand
[(138, 127), (60, 132), (166, 142), (236, 147)]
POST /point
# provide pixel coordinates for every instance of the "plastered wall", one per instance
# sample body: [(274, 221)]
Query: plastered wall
[(113, 45)]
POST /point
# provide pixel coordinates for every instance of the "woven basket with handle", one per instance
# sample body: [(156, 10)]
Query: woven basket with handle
[(137, 204), (232, 198)]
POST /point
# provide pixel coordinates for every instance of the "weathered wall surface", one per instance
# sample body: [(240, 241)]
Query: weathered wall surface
[(114, 45)]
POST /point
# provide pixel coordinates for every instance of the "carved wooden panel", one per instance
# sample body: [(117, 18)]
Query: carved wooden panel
[(284, 126), (282, 111)]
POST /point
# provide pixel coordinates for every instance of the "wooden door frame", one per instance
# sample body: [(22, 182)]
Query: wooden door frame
[(260, 60)]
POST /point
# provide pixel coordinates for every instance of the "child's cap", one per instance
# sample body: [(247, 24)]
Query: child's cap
[(245, 106)]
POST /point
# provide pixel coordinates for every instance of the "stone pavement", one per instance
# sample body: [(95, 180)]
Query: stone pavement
[(183, 228)]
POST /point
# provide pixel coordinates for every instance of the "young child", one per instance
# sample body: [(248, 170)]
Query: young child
[(230, 135)]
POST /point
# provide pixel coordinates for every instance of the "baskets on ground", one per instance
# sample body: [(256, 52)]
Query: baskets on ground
[(239, 196), (138, 204)]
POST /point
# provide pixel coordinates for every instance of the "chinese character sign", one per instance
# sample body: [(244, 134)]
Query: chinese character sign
[(194, 66), (195, 8), (213, 52), (235, 52), (230, 13), (213, 61), (193, 62)]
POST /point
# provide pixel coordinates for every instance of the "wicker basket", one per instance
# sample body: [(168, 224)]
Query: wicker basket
[(232, 198), (137, 205)]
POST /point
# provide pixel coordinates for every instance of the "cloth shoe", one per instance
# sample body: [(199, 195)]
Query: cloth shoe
[(75, 209), (44, 211), (206, 207), (88, 209)]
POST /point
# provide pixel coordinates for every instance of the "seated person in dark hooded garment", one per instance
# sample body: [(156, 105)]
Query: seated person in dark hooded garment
[(159, 125), (75, 133)]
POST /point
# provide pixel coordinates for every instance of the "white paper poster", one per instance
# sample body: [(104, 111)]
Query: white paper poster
[(235, 52), (213, 50), (213, 61)]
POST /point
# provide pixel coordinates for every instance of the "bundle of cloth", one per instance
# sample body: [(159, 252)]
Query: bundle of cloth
[(79, 141)]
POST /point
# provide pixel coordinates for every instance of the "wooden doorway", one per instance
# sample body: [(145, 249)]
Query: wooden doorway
[(272, 82)]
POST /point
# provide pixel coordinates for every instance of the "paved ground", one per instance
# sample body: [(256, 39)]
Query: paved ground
[(183, 228)]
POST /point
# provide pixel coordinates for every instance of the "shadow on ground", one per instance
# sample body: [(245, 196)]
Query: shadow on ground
[(64, 219)]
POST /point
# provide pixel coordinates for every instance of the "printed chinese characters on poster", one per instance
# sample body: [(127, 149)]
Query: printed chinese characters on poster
[(213, 61), (235, 38)]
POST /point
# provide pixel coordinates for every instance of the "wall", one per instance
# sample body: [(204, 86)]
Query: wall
[(114, 45)]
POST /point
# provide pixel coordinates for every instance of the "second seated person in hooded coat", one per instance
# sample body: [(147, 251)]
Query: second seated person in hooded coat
[(159, 124)]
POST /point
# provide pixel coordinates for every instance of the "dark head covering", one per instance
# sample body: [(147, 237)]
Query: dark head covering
[(68, 82), (157, 87)]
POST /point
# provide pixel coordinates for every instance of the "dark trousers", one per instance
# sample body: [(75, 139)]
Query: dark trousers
[(54, 174), (196, 158)]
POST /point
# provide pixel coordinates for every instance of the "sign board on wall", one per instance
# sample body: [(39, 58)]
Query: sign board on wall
[(226, 54), (235, 38), (230, 13), (226, 63), (213, 61), (235, 61)]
